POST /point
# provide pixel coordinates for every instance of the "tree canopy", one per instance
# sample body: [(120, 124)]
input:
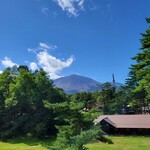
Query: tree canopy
[(139, 75)]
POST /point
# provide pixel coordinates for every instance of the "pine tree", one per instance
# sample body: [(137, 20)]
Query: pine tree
[(139, 75)]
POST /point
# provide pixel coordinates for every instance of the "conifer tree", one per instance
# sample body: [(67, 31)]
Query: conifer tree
[(139, 75)]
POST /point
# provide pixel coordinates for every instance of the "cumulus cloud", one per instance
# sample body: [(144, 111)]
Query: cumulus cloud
[(54, 76), (49, 63), (42, 46), (71, 6), (33, 66), (7, 62), (1, 71)]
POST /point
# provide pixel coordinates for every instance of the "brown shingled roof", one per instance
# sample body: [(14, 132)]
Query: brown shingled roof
[(126, 121)]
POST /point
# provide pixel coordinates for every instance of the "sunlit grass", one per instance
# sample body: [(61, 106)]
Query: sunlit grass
[(26, 143), (123, 143), (20, 146), (120, 143)]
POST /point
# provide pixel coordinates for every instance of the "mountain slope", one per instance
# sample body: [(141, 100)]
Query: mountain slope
[(76, 83)]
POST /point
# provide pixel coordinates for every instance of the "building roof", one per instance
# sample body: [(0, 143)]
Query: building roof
[(126, 121)]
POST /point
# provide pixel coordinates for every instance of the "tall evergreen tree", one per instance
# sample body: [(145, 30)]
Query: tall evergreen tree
[(139, 75)]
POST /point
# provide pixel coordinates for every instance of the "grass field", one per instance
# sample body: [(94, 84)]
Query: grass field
[(120, 143), (123, 143), (26, 144)]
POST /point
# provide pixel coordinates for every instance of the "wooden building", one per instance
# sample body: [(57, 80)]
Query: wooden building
[(125, 124)]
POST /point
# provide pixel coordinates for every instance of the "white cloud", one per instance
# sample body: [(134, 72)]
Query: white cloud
[(7, 62), (81, 3), (54, 76), (71, 6), (31, 50), (44, 46), (49, 63), (33, 66), (1, 71)]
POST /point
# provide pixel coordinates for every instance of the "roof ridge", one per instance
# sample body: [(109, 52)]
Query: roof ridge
[(110, 121)]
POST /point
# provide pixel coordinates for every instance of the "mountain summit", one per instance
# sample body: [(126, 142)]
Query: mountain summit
[(76, 83)]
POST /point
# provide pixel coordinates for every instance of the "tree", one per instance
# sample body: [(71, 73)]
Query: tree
[(20, 104), (107, 97), (139, 75), (22, 98), (46, 93), (85, 97), (5, 80), (31, 104), (73, 124)]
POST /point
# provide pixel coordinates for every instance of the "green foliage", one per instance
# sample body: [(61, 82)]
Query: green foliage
[(141, 70), (23, 95), (67, 140), (31, 105), (139, 75), (73, 123), (107, 95)]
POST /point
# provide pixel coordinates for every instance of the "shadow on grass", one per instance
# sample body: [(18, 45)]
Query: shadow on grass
[(32, 141)]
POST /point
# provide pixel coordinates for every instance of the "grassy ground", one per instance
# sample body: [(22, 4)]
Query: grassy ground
[(26, 144), (120, 143), (123, 143)]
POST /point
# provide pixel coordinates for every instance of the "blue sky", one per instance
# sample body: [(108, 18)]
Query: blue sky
[(93, 38)]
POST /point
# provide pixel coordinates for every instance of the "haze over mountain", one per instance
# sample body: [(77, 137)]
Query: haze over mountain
[(76, 83)]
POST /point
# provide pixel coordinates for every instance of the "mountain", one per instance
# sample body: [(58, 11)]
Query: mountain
[(75, 83)]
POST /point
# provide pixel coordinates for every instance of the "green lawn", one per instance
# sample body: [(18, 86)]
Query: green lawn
[(120, 143), (26, 144), (123, 143)]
